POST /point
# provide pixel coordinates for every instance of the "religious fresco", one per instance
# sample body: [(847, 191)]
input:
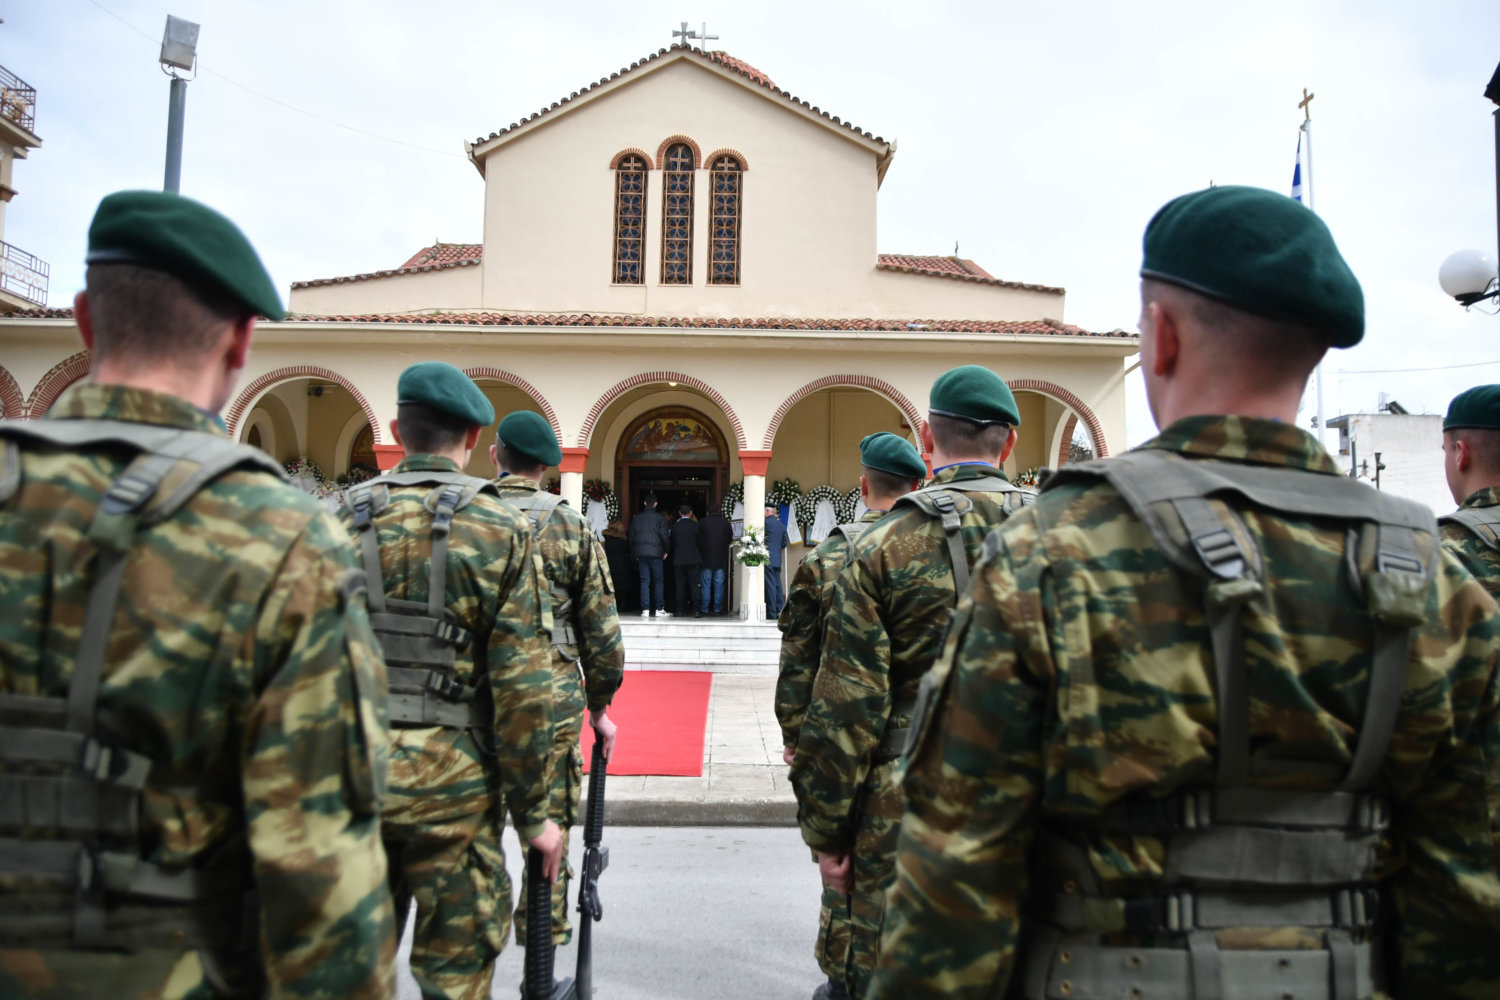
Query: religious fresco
[(672, 437)]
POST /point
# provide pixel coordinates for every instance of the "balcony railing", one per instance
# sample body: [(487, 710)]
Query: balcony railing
[(23, 274), (17, 100)]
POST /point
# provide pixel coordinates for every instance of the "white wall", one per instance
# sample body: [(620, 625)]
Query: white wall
[(1410, 445)]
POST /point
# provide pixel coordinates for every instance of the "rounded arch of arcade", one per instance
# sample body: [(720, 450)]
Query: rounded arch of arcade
[(879, 386), (525, 386), (52, 384), (1072, 402), (646, 378), (12, 403), (248, 395)]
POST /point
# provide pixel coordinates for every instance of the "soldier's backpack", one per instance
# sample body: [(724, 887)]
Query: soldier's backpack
[(851, 531), (421, 640), (538, 507), (75, 794), (947, 503), (1240, 856), (1481, 522)]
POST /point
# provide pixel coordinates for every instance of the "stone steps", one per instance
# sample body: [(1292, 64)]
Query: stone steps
[(700, 644)]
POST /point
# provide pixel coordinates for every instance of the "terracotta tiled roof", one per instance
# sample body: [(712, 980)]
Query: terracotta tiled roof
[(721, 58), (408, 267), (1038, 327), (952, 267), (445, 253)]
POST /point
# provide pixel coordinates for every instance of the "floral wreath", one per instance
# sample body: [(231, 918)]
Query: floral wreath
[(807, 506), (1027, 478), (735, 494), (552, 485), (847, 506), (358, 473), (599, 491), (302, 467), (783, 491)]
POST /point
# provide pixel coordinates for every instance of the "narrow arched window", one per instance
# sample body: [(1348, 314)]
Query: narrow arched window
[(630, 220), (677, 215), (727, 180)]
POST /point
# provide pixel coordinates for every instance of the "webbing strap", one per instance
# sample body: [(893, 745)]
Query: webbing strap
[(1263, 856), (1481, 522), (442, 525), (51, 746), (1205, 967), (1178, 912)]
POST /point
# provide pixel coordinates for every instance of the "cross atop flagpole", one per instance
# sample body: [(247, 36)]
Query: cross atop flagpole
[(1302, 190)]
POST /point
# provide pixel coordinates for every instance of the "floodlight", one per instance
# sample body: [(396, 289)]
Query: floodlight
[(179, 46)]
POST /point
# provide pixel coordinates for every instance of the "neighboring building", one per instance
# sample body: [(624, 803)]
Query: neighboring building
[(23, 278), (1398, 451), (679, 271)]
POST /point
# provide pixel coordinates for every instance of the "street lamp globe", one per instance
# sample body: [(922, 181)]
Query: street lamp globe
[(1467, 274)]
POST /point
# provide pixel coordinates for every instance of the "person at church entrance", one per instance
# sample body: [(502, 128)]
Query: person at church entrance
[(715, 534), (621, 568), (775, 545), (649, 542), (685, 562)]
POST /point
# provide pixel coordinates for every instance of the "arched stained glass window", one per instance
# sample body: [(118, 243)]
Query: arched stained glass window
[(630, 220), (727, 180), (677, 215)]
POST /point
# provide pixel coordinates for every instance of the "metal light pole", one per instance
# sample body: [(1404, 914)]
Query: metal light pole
[(179, 49), (1469, 274)]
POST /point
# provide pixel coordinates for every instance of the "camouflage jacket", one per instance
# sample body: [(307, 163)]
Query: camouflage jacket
[(890, 606), (1477, 557), (242, 664), (493, 589), (573, 561), (801, 623), (1081, 672)]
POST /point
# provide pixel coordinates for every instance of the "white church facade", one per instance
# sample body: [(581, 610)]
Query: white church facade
[(680, 272)]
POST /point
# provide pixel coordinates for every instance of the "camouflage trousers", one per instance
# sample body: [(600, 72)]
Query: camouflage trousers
[(875, 833), (146, 974), (566, 764), (441, 826), (832, 949)]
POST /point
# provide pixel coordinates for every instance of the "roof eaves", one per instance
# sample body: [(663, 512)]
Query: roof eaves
[(391, 273), (985, 280)]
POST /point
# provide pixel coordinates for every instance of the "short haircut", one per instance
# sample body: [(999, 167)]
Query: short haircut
[(886, 484), (685, 509), (1484, 447), (956, 436), (140, 314), (514, 461), (426, 429), (1246, 348)]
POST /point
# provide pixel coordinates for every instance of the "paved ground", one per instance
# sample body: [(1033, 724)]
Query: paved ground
[(716, 912), (744, 782)]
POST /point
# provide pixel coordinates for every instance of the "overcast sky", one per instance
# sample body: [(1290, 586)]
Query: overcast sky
[(1040, 137)]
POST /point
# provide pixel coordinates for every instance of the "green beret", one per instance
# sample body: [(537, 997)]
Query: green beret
[(1478, 407), (185, 239), (528, 433), (446, 389), (975, 394), (890, 453), (1258, 251)]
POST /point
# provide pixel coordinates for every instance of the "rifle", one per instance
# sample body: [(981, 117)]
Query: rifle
[(540, 951)]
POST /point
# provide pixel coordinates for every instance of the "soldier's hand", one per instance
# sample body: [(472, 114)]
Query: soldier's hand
[(604, 730), (550, 843), (787, 753), (837, 871)]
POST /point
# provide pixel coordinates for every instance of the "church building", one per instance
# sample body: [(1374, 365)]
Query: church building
[(680, 271)]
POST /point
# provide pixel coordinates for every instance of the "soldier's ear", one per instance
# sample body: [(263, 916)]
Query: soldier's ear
[(1166, 338), (84, 319), (1010, 445), (396, 431)]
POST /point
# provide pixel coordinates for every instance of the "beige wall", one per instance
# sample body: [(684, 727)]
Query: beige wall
[(818, 442), (423, 291)]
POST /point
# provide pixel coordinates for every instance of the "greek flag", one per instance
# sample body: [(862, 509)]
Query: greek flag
[(1297, 171)]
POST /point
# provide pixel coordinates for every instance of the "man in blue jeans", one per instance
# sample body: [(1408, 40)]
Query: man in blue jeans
[(714, 538), (775, 544), (649, 539)]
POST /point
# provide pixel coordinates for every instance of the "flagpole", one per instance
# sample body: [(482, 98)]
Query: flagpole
[(1307, 194)]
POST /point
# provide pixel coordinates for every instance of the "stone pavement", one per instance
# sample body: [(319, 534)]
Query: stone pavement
[(744, 782)]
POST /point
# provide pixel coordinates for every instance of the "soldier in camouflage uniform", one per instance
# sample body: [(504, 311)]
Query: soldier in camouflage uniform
[(472, 736), (192, 719), (1471, 459), (1185, 743), (889, 608), (889, 468), (585, 630)]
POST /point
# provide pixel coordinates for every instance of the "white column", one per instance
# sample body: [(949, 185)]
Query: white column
[(571, 487), (754, 596)]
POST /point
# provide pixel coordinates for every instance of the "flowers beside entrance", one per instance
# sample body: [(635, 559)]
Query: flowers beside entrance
[(752, 548)]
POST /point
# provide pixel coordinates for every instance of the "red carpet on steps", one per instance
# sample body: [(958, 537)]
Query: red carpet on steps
[(662, 715)]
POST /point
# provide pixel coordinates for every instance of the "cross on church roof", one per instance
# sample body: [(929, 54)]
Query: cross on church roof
[(701, 35)]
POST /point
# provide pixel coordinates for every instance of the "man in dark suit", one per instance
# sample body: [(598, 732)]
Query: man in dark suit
[(714, 537), (776, 545), (685, 562)]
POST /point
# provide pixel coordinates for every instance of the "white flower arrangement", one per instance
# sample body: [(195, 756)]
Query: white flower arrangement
[(784, 491), (807, 506), (1027, 478), (847, 506), (752, 548), (735, 494)]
